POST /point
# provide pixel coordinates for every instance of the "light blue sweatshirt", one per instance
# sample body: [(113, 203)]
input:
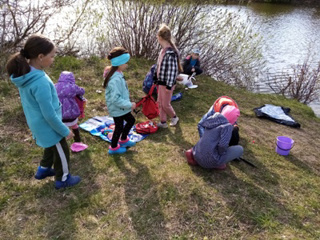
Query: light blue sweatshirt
[(117, 96), (41, 107)]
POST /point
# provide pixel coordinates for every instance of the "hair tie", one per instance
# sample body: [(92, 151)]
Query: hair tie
[(24, 53)]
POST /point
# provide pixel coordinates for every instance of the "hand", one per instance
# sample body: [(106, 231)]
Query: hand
[(192, 70), (71, 135), (179, 78), (133, 105)]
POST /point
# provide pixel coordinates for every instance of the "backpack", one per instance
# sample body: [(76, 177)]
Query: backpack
[(146, 127), (81, 101), (149, 106), (148, 81)]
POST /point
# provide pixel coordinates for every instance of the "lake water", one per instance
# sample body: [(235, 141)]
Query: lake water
[(289, 34)]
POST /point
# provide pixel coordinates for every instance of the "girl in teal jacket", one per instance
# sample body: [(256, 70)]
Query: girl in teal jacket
[(42, 108), (118, 101)]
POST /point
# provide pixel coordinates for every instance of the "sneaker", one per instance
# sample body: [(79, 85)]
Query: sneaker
[(190, 158), (126, 143), (221, 167), (44, 172), (117, 150), (174, 121), (162, 125), (71, 181)]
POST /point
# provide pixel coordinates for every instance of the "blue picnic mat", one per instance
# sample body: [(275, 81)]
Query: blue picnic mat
[(103, 127)]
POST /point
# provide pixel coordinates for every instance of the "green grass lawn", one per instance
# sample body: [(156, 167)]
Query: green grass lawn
[(151, 192)]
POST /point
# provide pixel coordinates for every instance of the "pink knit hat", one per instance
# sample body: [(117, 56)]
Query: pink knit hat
[(231, 113)]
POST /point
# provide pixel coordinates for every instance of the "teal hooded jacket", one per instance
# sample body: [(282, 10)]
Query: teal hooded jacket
[(41, 107), (117, 96)]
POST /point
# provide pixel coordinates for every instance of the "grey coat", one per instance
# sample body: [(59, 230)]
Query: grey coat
[(210, 150)]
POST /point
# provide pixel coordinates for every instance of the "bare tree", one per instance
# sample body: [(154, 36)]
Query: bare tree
[(69, 26), (134, 24), (301, 83), (19, 19), (230, 49)]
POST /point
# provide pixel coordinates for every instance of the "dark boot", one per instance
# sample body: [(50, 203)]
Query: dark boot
[(76, 133)]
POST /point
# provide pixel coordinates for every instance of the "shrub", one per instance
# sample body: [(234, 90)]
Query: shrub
[(302, 83)]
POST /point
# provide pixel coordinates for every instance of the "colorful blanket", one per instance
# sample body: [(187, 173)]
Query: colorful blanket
[(103, 127)]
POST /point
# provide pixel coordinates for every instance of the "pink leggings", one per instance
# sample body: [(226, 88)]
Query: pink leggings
[(164, 101)]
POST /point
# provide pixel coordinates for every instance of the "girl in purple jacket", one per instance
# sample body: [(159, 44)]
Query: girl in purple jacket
[(68, 90)]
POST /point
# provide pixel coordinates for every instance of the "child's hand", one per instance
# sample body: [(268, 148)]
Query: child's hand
[(179, 78), (71, 135), (193, 69), (133, 105)]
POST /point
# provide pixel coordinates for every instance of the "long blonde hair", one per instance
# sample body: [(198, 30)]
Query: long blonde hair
[(165, 33)]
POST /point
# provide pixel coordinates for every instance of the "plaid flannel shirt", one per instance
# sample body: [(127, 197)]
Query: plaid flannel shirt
[(168, 69)]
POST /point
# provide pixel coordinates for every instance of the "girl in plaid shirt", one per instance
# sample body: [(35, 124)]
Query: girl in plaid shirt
[(168, 68)]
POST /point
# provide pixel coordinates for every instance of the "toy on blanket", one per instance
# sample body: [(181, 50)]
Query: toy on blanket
[(105, 131)]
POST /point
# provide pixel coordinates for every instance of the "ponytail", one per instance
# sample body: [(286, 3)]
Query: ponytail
[(17, 65), (109, 75), (115, 52), (165, 33), (36, 44), (178, 55)]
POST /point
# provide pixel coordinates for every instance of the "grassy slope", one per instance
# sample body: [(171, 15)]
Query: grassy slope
[(150, 192)]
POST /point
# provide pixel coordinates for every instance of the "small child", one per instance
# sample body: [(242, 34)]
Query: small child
[(68, 90), (42, 108), (118, 101), (213, 150), (191, 63)]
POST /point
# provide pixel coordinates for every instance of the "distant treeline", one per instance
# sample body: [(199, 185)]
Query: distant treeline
[(295, 2)]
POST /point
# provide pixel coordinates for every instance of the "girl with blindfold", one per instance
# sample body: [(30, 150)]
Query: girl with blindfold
[(118, 101)]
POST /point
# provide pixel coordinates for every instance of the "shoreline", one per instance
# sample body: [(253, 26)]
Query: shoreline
[(306, 3)]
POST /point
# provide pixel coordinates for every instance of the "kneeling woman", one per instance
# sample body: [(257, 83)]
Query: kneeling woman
[(213, 150)]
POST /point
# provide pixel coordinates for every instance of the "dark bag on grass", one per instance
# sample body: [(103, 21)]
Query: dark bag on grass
[(148, 81)]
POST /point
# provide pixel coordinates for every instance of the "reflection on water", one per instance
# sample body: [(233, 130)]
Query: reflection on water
[(290, 33)]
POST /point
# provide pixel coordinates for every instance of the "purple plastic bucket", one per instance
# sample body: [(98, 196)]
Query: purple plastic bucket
[(284, 145)]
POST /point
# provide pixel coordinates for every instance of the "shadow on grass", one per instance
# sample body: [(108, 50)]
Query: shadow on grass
[(256, 201), (302, 165), (59, 208), (141, 195)]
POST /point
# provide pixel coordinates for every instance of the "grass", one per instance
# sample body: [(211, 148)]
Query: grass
[(150, 192)]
